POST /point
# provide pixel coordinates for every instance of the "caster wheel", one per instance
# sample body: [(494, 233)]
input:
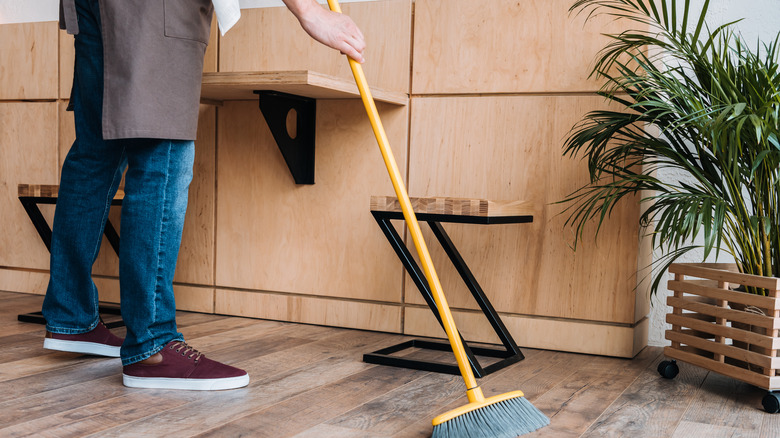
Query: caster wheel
[(668, 369), (771, 402)]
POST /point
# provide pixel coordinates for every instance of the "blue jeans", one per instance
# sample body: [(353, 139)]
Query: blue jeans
[(156, 185)]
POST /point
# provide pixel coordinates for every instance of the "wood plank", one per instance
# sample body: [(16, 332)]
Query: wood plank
[(768, 383), (537, 374), (308, 410), (49, 191), (28, 54), (402, 406), (725, 402), (691, 287), (726, 350), (651, 406), (94, 418), (456, 206), (242, 85), (721, 312), (580, 399), (689, 428), (220, 407), (726, 272), (728, 332)]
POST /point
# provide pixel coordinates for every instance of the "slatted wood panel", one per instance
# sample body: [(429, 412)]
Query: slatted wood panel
[(29, 61), (509, 147), (270, 39), (504, 46), (314, 240), (456, 206), (729, 332), (310, 381)]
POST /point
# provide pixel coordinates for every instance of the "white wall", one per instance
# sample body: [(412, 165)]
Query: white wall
[(24, 11), (27, 11), (760, 20)]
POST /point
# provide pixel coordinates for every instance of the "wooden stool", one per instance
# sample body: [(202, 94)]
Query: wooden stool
[(434, 211), (31, 195)]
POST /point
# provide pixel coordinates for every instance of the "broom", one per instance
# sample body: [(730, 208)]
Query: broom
[(505, 415)]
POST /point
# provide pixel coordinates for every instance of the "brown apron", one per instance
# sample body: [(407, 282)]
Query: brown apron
[(153, 65)]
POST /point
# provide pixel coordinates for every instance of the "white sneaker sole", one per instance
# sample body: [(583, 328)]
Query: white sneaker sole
[(81, 347), (189, 384)]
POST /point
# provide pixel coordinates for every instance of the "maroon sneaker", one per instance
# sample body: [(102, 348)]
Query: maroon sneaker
[(100, 341), (179, 366)]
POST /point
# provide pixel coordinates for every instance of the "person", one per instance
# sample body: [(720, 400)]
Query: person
[(135, 97)]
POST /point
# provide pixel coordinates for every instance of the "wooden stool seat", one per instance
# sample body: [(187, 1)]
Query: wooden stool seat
[(32, 195), (434, 211), (456, 206), (50, 191)]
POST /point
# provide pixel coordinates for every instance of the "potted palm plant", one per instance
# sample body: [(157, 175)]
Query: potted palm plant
[(702, 103)]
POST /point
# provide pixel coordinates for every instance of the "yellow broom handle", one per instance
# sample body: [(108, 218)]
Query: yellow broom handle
[(411, 221)]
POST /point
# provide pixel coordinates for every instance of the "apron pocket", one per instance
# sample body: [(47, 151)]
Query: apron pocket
[(188, 19)]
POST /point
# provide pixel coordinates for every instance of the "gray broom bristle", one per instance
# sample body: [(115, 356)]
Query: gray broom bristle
[(506, 419)]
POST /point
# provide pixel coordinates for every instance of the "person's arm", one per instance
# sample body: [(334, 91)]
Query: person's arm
[(335, 30)]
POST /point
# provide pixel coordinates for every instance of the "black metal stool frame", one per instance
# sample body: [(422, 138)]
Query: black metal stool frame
[(511, 352), (30, 204)]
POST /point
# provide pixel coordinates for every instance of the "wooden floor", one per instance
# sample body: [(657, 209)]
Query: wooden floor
[(309, 381)]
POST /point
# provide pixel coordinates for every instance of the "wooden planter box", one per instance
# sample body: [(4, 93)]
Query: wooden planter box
[(729, 332)]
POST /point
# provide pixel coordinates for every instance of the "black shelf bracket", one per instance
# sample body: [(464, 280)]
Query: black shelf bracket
[(298, 151)]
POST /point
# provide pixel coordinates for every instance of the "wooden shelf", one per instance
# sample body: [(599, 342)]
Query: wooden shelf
[(241, 86)]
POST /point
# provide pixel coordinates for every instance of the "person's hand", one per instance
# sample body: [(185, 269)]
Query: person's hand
[(332, 29)]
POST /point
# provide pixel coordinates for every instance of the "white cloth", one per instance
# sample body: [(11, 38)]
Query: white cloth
[(228, 12)]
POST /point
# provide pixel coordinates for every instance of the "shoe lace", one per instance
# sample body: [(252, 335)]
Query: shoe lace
[(185, 350)]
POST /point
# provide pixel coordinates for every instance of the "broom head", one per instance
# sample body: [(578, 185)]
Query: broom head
[(506, 415)]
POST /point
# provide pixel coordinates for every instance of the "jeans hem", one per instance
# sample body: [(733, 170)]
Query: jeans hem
[(71, 331), (156, 349)]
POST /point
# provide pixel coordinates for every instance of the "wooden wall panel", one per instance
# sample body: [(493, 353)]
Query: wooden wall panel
[(67, 59), (211, 59), (269, 39), (489, 46), (28, 61), (510, 148), (23, 281), (196, 256), (188, 298), (310, 239), (310, 310), (28, 154), (543, 333)]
